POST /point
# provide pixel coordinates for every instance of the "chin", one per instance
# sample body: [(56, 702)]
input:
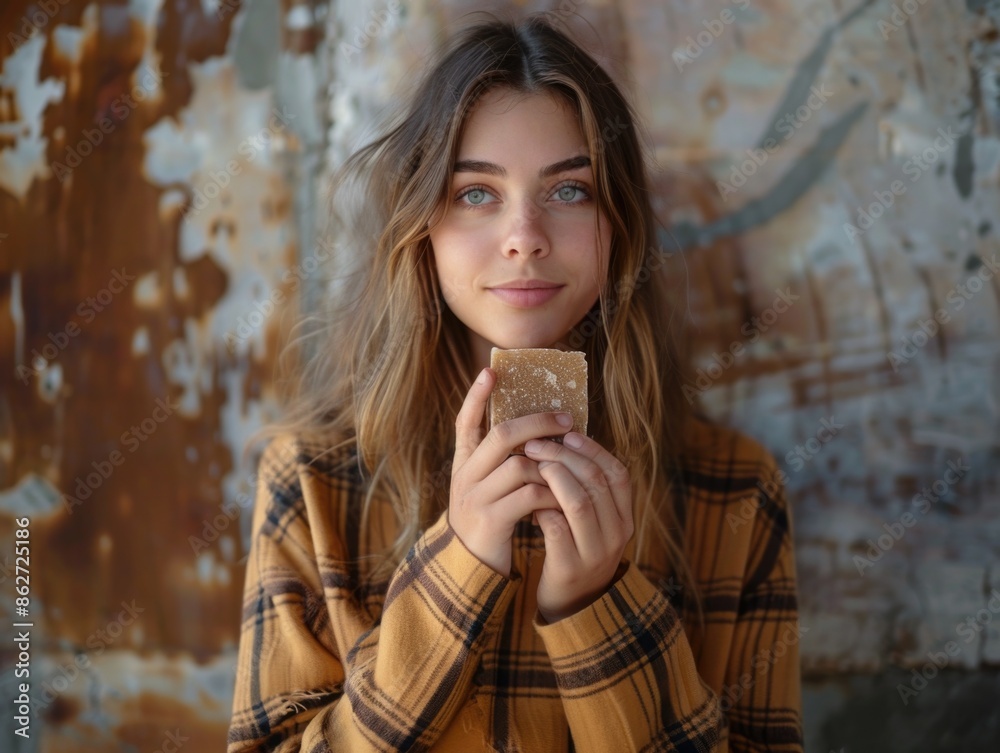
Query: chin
[(533, 341)]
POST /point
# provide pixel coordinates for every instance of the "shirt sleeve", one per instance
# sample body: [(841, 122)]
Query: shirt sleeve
[(296, 691), (762, 694), (628, 677)]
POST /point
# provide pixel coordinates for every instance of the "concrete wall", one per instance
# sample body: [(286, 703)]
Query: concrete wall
[(829, 174)]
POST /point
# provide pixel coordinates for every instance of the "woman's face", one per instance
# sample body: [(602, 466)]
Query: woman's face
[(521, 213)]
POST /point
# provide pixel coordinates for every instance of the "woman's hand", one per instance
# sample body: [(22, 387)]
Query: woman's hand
[(490, 488), (586, 536)]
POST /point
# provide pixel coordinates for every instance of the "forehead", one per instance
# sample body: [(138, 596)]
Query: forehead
[(513, 122)]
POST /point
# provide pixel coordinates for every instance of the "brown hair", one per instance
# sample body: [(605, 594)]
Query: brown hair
[(389, 364)]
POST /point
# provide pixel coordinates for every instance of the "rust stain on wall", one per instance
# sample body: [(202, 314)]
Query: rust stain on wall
[(145, 212)]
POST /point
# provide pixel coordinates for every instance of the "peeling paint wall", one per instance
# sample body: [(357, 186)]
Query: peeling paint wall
[(829, 183), (832, 171), (157, 171)]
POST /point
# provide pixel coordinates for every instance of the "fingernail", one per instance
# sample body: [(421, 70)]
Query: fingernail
[(564, 419), (574, 440), (482, 377), (533, 446)]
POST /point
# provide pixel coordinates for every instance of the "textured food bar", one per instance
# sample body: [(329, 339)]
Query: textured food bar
[(538, 380)]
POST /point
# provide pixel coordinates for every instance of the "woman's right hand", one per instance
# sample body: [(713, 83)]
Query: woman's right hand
[(490, 488)]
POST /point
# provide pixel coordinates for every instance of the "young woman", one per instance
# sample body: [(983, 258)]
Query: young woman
[(411, 585)]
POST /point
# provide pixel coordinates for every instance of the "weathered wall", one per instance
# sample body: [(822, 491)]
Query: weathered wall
[(854, 260), (861, 347), (157, 166)]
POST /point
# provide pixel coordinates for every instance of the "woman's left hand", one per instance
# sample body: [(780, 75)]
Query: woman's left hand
[(584, 541)]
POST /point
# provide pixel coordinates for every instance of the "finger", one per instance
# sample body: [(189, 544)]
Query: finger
[(588, 475), (469, 422), (527, 500), (559, 545), (578, 509), (512, 474), (500, 441), (616, 475)]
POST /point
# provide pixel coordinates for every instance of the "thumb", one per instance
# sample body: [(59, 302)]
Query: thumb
[(469, 422)]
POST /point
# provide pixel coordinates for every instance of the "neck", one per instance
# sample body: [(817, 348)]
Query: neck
[(480, 351)]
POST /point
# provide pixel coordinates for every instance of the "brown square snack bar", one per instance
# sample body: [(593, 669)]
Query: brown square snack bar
[(538, 380)]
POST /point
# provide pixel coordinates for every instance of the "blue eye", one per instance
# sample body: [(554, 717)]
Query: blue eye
[(565, 193), (476, 196)]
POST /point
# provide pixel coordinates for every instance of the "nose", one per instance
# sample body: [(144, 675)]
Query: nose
[(526, 234)]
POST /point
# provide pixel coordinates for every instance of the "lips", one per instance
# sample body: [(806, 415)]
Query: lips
[(527, 297)]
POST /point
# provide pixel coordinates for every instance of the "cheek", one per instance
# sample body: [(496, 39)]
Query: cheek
[(454, 266), (461, 251)]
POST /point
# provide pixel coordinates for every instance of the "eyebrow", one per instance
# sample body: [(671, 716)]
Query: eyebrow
[(491, 168)]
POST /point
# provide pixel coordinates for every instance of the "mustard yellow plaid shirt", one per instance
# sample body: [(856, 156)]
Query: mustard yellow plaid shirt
[(447, 654)]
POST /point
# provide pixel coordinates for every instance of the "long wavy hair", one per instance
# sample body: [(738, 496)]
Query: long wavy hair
[(383, 369)]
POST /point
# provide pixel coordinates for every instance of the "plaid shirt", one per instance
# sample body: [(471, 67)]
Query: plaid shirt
[(447, 654)]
